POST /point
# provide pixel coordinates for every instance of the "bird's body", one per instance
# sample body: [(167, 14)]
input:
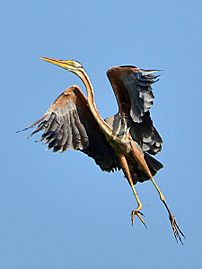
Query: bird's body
[(123, 141)]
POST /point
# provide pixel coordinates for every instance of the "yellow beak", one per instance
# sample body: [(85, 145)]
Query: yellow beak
[(61, 63)]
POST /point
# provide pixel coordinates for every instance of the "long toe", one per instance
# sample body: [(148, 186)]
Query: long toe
[(176, 229), (139, 214)]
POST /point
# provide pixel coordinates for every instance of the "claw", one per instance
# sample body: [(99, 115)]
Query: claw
[(139, 214), (176, 230)]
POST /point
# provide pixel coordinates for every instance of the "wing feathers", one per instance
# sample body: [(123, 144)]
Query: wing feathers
[(133, 84), (69, 124), (132, 87)]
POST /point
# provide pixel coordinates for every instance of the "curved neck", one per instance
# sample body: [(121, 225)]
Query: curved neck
[(89, 89), (91, 101)]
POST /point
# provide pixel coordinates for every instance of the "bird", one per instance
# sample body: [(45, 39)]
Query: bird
[(124, 141)]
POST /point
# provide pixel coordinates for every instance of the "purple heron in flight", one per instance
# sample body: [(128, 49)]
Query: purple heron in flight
[(124, 141)]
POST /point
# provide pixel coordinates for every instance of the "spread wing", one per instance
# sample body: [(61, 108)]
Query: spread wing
[(69, 124), (133, 91)]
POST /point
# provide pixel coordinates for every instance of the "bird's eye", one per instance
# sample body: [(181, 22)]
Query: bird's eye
[(78, 65)]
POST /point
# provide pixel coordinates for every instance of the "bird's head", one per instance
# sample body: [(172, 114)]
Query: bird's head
[(70, 65)]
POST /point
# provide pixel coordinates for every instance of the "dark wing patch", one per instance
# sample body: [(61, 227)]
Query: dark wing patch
[(146, 135), (132, 87), (69, 124)]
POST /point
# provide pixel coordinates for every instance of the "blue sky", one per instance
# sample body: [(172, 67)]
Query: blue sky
[(60, 210)]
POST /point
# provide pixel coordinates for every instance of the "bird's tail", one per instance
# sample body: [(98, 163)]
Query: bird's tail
[(154, 166)]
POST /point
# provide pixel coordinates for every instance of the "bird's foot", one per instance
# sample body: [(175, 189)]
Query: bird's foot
[(139, 214), (176, 230)]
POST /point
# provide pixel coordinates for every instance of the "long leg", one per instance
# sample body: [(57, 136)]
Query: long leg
[(125, 168), (139, 157)]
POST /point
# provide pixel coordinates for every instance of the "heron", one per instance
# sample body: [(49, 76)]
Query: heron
[(124, 141)]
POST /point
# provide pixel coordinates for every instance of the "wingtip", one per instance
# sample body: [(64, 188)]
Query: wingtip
[(30, 126), (25, 129)]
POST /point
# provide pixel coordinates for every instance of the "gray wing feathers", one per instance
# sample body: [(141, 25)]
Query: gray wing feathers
[(146, 135), (133, 90), (139, 89), (62, 131), (69, 124)]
